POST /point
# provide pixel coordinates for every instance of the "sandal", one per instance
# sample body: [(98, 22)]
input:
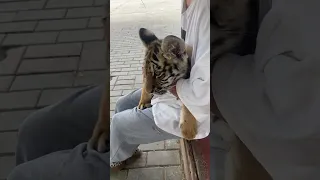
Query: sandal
[(118, 166)]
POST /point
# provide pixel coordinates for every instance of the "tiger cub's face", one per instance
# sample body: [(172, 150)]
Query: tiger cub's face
[(165, 61)]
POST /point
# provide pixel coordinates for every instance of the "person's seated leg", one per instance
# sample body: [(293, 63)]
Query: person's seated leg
[(61, 126), (131, 127), (80, 163)]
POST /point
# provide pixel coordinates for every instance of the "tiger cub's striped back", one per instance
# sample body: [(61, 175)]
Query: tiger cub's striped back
[(165, 61)]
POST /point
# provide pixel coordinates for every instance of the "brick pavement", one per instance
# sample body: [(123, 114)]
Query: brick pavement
[(62, 51), (59, 39)]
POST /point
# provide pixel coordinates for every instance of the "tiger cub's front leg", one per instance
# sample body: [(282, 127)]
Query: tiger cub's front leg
[(145, 99), (188, 124)]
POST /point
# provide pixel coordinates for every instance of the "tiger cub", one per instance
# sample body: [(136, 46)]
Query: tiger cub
[(165, 62)]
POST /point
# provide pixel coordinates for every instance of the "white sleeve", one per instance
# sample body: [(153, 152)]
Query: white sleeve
[(195, 91)]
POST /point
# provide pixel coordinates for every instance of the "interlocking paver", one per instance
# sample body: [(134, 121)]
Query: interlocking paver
[(22, 5), (62, 24), (31, 38), (10, 141), (19, 100), (10, 64), (90, 78), (85, 12), (40, 81), (152, 146), (6, 17), (6, 164), (68, 3), (48, 65), (40, 14), (93, 56), (156, 158), (137, 163), (17, 26), (173, 173), (54, 50), (172, 144), (95, 22), (11, 120), (81, 35), (156, 173), (5, 82)]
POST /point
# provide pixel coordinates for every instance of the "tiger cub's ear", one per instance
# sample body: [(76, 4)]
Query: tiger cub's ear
[(147, 36), (172, 45)]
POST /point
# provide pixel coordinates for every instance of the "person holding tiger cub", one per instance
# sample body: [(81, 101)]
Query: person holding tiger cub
[(133, 125)]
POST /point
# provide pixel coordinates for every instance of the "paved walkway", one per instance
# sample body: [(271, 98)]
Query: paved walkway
[(63, 51), (161, 160)]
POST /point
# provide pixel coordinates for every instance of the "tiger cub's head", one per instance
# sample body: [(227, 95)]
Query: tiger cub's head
[(165, 61)]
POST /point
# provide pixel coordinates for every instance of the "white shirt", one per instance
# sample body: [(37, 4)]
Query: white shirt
[(195, 91), (271, 99)]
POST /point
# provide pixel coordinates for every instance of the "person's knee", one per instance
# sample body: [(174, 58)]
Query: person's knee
[(19, 173), (122, 103), (32, 136)]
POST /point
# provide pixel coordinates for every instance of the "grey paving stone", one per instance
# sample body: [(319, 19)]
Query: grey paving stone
[(100, 2), (85, 12), (122, 82), (52, 96), (156, 173), (2, 37), (93, 56), (119, 73), (12, 120), (113, 80), (174, 173), (81, 35), (62, 24), (48, 65), (152, 146), (137, 163), (121, 175), (90, 78), (18, 100), (56, 80), (10, 64), (95, 22), (5, 82), (115, 93), (7, 163), (172, 144), (126, 77), (40, 14), (30, 38), (8, 141), (114, 99), (17, 26), (68, 3), (22, 5), (157, 158), (122, 87), (54, 50), (6, 17)]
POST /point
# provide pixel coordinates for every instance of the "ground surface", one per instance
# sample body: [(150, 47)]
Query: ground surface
[(161, 160), (63, 51)]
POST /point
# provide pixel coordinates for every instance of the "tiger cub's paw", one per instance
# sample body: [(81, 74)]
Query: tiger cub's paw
[(189, 128), (142, 106)]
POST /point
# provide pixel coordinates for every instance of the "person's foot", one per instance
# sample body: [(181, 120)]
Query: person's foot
[(118, 166)]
